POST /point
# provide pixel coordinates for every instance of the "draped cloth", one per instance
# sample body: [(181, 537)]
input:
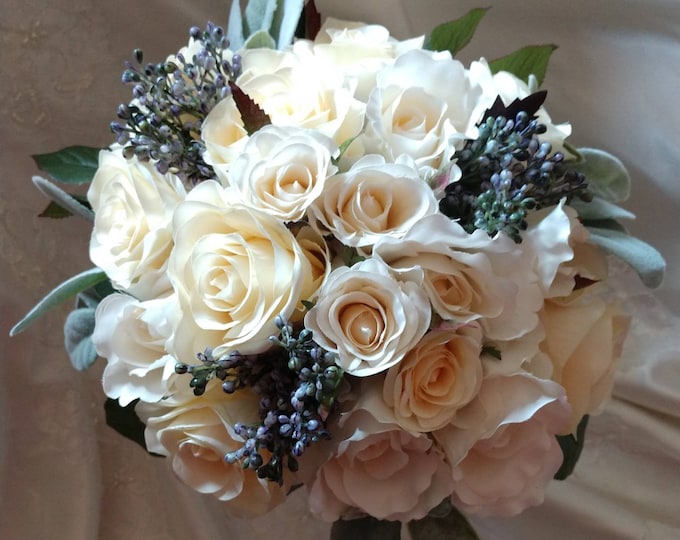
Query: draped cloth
[(65, 474)]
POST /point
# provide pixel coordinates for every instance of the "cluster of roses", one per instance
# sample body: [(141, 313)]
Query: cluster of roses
[(464, 354)]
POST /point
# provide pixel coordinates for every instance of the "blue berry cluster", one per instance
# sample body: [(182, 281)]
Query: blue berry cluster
[(507, 171), (170, 101), (297, 381)]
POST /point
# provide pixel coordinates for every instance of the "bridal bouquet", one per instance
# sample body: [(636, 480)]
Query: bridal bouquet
[(349, 263)]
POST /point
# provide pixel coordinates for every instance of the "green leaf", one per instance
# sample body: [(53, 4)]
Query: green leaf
[(530, 60), (606, 175), (68, 289), (285, 21), (454, 35), (252, 115), (125, 421), (78, 338), (571, 449), (643, 258), (65, 200), (366, 528), (452, 525), (259, 16), (72, 165), (599, 209), (260, 40), (235, 27)]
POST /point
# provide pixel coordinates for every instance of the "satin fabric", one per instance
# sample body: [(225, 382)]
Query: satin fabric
[(65, 475)]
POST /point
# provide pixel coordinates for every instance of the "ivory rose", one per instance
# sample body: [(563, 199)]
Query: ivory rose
[(380, 469), (369, 318), (584, 337), (224, 136), (196, 434), (421, 106), (371, 200), (441, 374), (234, 269), (502, 446), (132, 234), (283, 170), (132, 335)]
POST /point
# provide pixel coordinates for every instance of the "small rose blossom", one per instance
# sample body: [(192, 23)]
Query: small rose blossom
[(441, 374), (369, 318), (283, 170), (372, 200), (234, 269), (502, 446), (132, 335), (132, 234), (224, 136), (382, 470), (196, 433)]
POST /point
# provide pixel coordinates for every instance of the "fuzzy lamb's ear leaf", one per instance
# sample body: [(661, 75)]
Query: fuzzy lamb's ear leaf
[(527, 61), (66, 290), (606, 175), (71, 165), (454, 35), (643, 258), (78, 338), (260, 40), (285, 22), (259, 15), (65, 200), (235, 27), (599, 209)]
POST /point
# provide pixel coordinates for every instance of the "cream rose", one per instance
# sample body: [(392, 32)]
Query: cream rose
[(441, 374), (282, 170), (381, 470), (224, 136), (358, 51), (234, 269), (420, 107), (132, 235), (132, 335), (196, 434), (502, 446), (369, 318), (372, 200), (584, 337)]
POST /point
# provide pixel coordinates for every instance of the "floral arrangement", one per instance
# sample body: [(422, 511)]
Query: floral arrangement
[(349, 263)]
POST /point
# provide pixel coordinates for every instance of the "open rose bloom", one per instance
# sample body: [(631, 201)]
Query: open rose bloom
[(455, 354)]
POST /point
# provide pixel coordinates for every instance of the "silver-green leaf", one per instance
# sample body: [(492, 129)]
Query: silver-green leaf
[(260, 40), (78, 342), (66, 290), (606, 175), (259, 16), (643, 258), (235, 27), (600, 208), (284, 24), (63, 199)]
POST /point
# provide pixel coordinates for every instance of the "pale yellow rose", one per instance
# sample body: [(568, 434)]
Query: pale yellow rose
[(197, 433), (224, 136), (441, 374), (584, 336), (234, 270), (282, 170), (132, 234), (369, 318), (372, 200)]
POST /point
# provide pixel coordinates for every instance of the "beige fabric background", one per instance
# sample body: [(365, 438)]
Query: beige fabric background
[(65, 475)]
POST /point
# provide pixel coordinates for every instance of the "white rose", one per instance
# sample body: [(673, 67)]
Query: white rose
[(196, 434), (132, 335), (282, 170), (234, 269), (502, 446), (358, 51), (132, 235), (440, 375), (382, 470), (368, 318), (224, 136), (422, 106), (372, 200)]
